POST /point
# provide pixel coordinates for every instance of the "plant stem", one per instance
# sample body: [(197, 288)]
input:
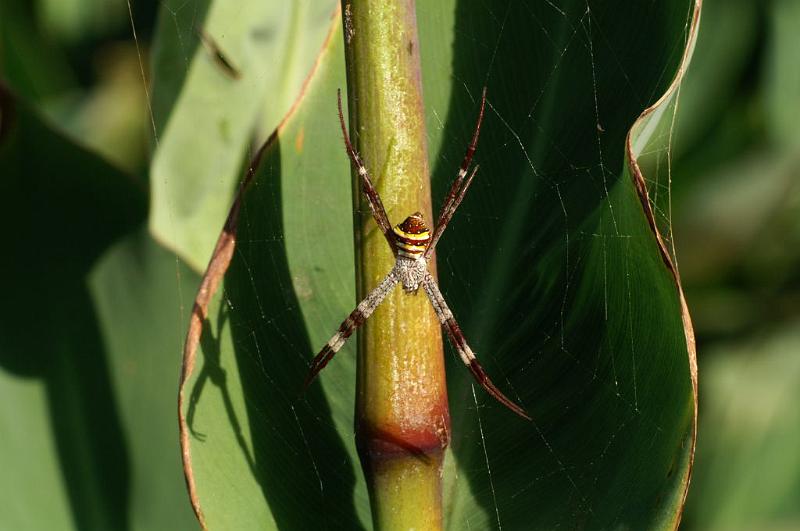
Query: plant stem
[(402, 418)]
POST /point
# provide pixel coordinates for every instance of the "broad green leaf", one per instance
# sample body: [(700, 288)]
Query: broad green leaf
[(88, 355), (203, 118), (238, 388), (551, 266)]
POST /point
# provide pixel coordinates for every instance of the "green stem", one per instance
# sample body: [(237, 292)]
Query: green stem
[(402, 418)]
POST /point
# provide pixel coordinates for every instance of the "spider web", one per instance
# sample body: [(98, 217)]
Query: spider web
[(528, 264)]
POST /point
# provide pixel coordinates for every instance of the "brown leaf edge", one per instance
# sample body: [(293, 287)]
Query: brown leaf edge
[(644, 198), (215, 272)]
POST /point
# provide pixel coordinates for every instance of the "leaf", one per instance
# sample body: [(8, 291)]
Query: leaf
[(87, 370), (203, 118), (551, 265)]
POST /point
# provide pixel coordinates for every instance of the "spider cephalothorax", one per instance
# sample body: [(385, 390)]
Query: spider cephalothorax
[(411, 238), (412, 243)]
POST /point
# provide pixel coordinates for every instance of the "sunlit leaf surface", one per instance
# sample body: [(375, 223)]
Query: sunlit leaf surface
[(208, 100), (550, 265)]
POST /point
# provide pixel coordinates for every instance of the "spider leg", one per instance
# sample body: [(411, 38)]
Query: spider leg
[(374, 200), (460, 343), (459, 187), (353, 321), (447, 214)]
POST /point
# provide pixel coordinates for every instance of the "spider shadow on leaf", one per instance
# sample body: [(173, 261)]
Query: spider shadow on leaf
[(212, 371)]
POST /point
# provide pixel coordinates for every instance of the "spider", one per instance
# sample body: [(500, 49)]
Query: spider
[(412, 244)]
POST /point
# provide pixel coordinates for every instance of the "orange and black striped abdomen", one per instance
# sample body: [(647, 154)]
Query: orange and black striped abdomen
[(412, 236)]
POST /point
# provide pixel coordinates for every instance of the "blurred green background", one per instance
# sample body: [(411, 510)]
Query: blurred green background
[(733, 173), (736, 222)]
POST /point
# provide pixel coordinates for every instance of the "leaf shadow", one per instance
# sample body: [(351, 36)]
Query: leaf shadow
[(71, 361), (50, 332), (299, 458)]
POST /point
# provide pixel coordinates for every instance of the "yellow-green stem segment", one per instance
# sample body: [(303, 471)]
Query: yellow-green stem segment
[(402, 418)]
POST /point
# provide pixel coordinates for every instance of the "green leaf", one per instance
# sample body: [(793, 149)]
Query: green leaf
[(88, 350), (204, 119), (551, 266)]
